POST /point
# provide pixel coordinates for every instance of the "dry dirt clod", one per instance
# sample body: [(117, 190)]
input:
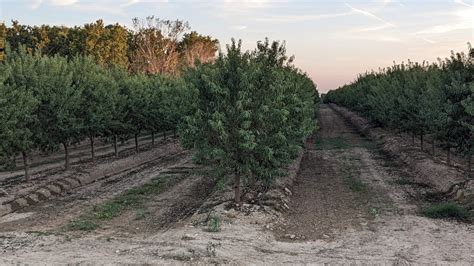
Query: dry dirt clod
[(232, 213), (3, 193), (188, 237)]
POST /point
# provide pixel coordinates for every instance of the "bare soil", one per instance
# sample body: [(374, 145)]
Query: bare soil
[(15, 187), (347, 207), (323, 204), (55, 214)]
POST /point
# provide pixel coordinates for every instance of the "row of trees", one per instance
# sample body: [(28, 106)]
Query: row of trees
[(51, 101), (434, 99), (152, 46), (254, 110), (247, 112)]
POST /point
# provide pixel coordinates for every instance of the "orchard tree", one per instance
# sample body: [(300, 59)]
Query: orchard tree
[(98, 98), (58, 113), (418, 98), (177, 102), (19, 106), (119, 124), (433, 107), (242, 122), (220, 129), (468, 104), (139, 93)]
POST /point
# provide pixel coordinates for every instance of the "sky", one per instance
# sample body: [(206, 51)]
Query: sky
[(332, 41)]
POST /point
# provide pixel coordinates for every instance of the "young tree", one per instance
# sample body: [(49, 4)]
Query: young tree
[(139, 93), (58, 113), (468, 104), (220, 129), (99, 92), (242, 121), (18, 106)]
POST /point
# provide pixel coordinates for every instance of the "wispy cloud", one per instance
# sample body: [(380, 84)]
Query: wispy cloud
[(62, 2), (130, 3), (461, 2), (369, 14), (427, 40), (299, 18), (134, 2), (34, 4), (374, 28), (100, 8), (352, 11), (463, 20), (391, 2), (247, 3), (239, 27), (377, 38)]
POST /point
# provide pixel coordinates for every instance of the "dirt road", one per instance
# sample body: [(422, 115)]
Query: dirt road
[(350, 204)]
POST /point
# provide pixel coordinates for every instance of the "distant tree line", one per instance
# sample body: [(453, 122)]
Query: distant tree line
[(153, 46), (435, 99)]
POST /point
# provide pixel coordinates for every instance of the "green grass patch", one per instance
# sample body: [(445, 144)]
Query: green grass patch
[(83, 223), (446, 210), (129, 200), (337, 143), (214, 223), (42, 233), (373, 212)]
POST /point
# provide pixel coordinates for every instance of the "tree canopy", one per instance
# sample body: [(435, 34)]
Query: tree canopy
[(421, 99), (253, 112)]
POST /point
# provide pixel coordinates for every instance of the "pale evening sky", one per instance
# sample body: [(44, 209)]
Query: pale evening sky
[(332, 41)]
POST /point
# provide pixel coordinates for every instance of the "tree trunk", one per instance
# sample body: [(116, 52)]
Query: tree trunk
[(91, 138), (136, 143), (174, 132), (115, 146), (433, 149), (237, 190), (66, 156), (14, 161), (449, 156), (152, 139), (421, 141), (413, 138), (469, 165), (164, 135), (27, 166)]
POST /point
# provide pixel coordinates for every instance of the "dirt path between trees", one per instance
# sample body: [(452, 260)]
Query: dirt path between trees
[(349, 205), (328, 197)]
